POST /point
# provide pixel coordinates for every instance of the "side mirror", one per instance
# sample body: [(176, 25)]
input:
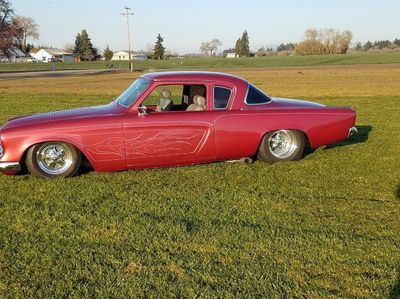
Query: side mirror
[(142, 110)]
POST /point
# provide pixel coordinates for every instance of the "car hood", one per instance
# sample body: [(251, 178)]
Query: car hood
[(292, 103), (96, 111)]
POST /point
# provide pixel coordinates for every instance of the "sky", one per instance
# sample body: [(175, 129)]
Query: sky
[(186, 24)]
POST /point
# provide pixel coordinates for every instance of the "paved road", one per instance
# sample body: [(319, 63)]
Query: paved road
[(53, 73)]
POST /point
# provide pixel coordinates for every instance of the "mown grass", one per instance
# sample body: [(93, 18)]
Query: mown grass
[(326, 226), (211, 63)]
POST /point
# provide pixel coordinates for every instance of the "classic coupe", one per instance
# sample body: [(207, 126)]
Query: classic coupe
[(170, 119)]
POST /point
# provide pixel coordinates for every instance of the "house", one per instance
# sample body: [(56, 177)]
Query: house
[(124, 55), (53, 55), (13, 55), (231, 55)]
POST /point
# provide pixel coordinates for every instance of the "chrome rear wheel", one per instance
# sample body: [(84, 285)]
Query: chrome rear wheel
[(282, 145)]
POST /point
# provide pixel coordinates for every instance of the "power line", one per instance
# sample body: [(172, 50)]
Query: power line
[(126, 14)]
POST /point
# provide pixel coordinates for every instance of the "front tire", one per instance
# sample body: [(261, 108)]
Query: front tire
[(282, 145), (53, 159)]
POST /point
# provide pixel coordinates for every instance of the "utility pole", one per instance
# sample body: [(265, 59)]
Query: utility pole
[(127, 14)]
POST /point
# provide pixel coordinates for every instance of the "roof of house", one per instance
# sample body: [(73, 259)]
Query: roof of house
[(13, 52), (133, 52), (55, 51)]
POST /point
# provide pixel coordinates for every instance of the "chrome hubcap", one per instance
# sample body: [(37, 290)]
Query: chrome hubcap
[(282, 144), (54, 158)]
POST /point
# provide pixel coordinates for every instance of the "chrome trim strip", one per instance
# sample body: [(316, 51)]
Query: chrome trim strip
[(10, 166)]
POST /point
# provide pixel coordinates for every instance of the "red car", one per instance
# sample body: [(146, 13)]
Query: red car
[(169, 119)]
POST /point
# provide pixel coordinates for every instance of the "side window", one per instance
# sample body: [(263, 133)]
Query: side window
[(256, 96), (176, 98), (222, 96), (168, 92)]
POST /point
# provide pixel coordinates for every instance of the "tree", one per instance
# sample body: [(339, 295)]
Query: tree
[(159, 49), (28, 28), (242, 45), (345, 41), (210, 48), (359, 46), (238, 46), (285, 47), (108, 54), (77, 51), (368, 45), (324, 41), (88, 52), (9, 31), (83, 48)]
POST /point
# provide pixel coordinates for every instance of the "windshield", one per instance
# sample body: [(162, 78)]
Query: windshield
[(132, 94)]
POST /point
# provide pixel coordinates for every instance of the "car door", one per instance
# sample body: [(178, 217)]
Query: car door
[(233, 139), (168, 138)]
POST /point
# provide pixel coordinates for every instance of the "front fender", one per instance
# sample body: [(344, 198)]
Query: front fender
[(103, 145)]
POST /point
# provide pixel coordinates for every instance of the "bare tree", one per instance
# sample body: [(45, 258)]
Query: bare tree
[(9, 32), (210, 48), (345, 41), (311, 35), (324, 41), (28, 29)]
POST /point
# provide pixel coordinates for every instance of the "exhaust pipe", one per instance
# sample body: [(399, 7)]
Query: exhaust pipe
[(246, 160), (352, 131)]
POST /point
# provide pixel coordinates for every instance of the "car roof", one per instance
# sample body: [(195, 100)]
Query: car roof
[(193, 75)]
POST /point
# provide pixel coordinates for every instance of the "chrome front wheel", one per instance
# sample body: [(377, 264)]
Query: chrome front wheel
[(53, 159)]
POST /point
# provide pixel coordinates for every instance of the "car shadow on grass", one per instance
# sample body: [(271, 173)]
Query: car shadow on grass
[(361, 137), (395, 292)]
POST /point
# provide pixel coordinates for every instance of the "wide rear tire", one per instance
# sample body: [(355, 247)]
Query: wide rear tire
[(53, 159), (282, 145)]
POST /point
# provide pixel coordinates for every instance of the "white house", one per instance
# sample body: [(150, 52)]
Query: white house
[(124, 55), (53, 55), (231, 55)]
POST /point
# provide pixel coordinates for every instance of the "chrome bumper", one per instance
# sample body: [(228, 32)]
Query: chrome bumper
[(10, 167), (352, 131)]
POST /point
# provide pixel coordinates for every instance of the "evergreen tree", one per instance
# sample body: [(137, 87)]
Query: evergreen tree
[(88, 52), (238, 46), (83, 47), (244, 45), (368, 45), (159, 49), (77, 47), (108, 54)]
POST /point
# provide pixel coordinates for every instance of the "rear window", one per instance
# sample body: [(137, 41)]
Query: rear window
[(256, 96), (221, 97)]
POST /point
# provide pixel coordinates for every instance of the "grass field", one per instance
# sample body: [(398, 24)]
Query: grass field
[(323, 227), (211, 63)]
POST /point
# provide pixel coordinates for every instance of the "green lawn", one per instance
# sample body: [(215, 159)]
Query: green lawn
[(209, 63), (323, 227)]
